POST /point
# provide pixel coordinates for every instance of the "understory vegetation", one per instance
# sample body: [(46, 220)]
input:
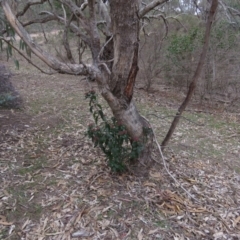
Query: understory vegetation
[(172, 59)]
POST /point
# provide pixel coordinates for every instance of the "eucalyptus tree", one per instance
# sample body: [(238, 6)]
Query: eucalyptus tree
[(109, 29)]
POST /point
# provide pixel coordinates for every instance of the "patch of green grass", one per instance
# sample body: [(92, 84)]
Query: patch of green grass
[(51, 182), (34, 211), (21, 196), (110, 213), (3, 233), (237, 169), (161, 223), (32, 165), (220, 124), (42, 104)]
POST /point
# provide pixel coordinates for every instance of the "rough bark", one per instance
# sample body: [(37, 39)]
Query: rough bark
[(125, 29)]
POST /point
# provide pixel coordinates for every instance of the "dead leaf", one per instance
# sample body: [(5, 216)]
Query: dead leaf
[(3, 221), (149, 184), (140, 235), (218, 235), (153, 231), (156, 175), (81, 233), (25, 224), (236, 221)]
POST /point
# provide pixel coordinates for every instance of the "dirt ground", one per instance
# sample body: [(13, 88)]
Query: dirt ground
[(55, 185)]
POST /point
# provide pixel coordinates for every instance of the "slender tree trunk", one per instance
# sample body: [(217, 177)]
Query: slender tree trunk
[(195, 76)]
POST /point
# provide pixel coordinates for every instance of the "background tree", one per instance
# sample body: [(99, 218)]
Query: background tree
[(178, 52)]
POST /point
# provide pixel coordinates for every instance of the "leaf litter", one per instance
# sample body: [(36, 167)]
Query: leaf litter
[(54, 185)]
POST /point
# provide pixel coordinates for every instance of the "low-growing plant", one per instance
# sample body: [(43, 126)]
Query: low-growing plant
[(112, 137), (6, 99)]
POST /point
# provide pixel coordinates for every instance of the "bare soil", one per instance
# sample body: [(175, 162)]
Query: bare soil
[(55, 185)]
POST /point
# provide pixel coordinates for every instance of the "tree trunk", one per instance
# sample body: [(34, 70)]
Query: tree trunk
[(115, 70), (125, 29), (196, 75)]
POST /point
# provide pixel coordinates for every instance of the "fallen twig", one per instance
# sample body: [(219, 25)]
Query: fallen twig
[(165, 165)]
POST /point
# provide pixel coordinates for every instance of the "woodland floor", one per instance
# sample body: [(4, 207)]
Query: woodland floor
[(55, 185)]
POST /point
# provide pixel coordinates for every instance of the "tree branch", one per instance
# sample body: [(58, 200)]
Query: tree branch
[(150, 7), (66, 42), (78, 13), (39, 20), (94, 35), (72, 26), (165, 164), (61, 67), (28, 5), (84, 5), (28, 60), (36, 20)]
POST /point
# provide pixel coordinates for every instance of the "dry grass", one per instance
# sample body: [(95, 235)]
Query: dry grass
[(54, 185)]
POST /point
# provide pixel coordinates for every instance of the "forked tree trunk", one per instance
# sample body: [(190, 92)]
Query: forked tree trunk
[(125, 30), (115, 77)]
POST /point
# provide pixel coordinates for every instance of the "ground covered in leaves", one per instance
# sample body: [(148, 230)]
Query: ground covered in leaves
[(55, 185)]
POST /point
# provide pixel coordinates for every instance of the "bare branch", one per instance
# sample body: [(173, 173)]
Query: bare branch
[(28, 5), (234, 10), (175, 18), (36, 20), (61, 67), (78, 13), (158, 16), (66, 42), (72, 26), (81, 49), (39, 20), (94, 35), (102, 49), (64, 14), (165, 164), (225, 10), (150, 7), (84, 5)]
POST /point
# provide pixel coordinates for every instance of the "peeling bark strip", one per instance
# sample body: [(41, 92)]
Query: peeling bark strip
[(128, 92)]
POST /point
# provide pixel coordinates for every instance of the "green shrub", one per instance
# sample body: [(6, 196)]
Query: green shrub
[(112, 137), (6, 100)]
